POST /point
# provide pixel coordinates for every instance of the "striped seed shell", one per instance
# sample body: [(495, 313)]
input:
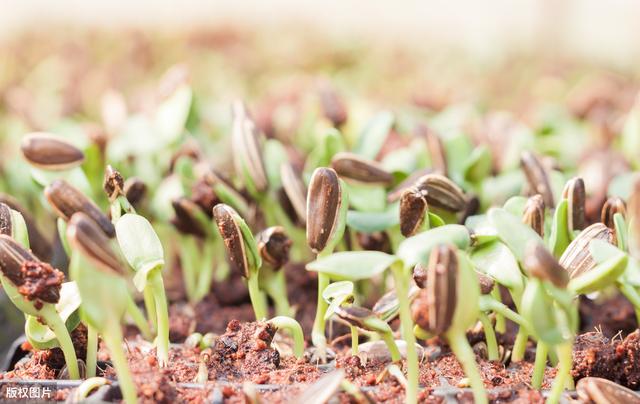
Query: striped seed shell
[(602, 391), (295, 190), (324, 198), (442, 276), (537, 177), (66, 200), (612, 206), (134, 190), (232, 237), (539, 262), (533, 214), (274, 246), (86, 236), (6, 226), (576, 196), (355, 315), (185, 220), (442, 192), (413, 209), (50, 152), (332, 105), (357, 168), (12, 258), (576, 258), (246, 147), (395, 194), (113, 183)]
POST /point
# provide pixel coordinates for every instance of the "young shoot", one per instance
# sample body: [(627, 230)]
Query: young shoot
[(274, 246), (293, 327)]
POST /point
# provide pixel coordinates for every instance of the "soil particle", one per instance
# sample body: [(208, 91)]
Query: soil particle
[(79, 339), (610, 317), (616, 360), (40, 282)]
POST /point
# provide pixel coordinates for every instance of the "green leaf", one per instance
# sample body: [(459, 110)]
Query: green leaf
[(457, 148), (329, 145), (478, 165), (171, 116), (515, 234), (537, 307), (366, 198), (631, 134), (482, 229), (496, 190), (374, 135), (560, 236), (140, 246), (515, 205), (370, 222), (497, 261), (417, 248), (622, 185), (336, 294), (612, 264), (435, 220), (353, 265)]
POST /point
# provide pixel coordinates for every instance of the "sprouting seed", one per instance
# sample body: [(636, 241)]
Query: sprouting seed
[(134, 190), (355, 315), (357, 168), (576, 196), (440, 291), (395, 194), (113, 183), (537, 177), (533, 214), (185, 219), (12, 258), (442, 193), (576, 258), (413, 209), (5, 219), (420, 275), (274, 246), (612, 206), (67, 200), (323, 207), (539, 262), (84, 234), (294, 190), (50, 152), (232, 237), (247, 156), (602, 391)]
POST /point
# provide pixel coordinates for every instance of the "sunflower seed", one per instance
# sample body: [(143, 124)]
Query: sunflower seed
[(67, 200), (50, 152), (246, 147), (376, 241), (408, 182), (86, 236), (388, 306), (436, 149), (612, 206), (134, 190), (537, 177), (113, 183), (576, 258), (539, 262), (274, 246), (332, 106), (576, 196), (357, 168), (12, 258), (413, 210), (439, 298), (534, 214), (295, 190), (362, 318), (324, 198), (442, 192), (6, 226), (185, 219), (420, 275), (602, 391), (232, 237)]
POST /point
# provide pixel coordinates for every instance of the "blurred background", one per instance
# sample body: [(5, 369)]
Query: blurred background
[(87, 67)]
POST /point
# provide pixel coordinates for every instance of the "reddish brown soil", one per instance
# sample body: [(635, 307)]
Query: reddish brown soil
[(40, 282)]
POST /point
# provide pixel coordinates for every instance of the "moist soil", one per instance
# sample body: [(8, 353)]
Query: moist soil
[(245, 351)]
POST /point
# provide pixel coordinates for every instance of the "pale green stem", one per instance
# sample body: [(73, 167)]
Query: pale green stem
[(501, 324), (188, 257), (388, 339), (205, 275), (540, 365), (520, 344), (490, 336), (294, 329), (317, 334), (488, 303), (401, 280), (464, 353), (138, 318), (112, 335), (162, 312), (86, 387), (150, 307), (257, 298), (633, 296), (277, 289), (92, 350), (56, 324), (354, 340), (564, 372)]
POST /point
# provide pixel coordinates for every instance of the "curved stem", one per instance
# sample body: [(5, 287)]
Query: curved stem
[(276, 287), (463, 351), (401, 280), (112, 335), (205, 275), (490, 337), (540, 365), (162, 312), (564, 372), (295, 329), (388, 339), (501, 325), (421, 333), (138, 318), (257, 298), (487, 303), (519, 346), (150, 307), (92, 350), (55, 322)]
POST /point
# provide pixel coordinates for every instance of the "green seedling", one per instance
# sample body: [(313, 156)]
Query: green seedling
[(293, 327), (273, 246)]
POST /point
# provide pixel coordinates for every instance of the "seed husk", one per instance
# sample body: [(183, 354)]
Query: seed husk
[(602, 391), (113, 183), (274, 246), (50, 152), (396, 192), (413, 209), (85, 235), (332, 106), (576, 258), (185, 220), (420, 275), (539, 262), (442, 193), (441, 290), (357, 168), (6, 226), (295, 190), (576, 196), (39, 244), (436, 149), (134, 190), (376, 241), (537, 177), (534, 214), (232, 237), (387, 307), (67, 200), (12, 258), (362, 318), (246, 147), (324, 198), (612, 206)]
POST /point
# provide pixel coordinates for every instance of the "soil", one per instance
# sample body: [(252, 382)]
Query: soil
[(40, 282)]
